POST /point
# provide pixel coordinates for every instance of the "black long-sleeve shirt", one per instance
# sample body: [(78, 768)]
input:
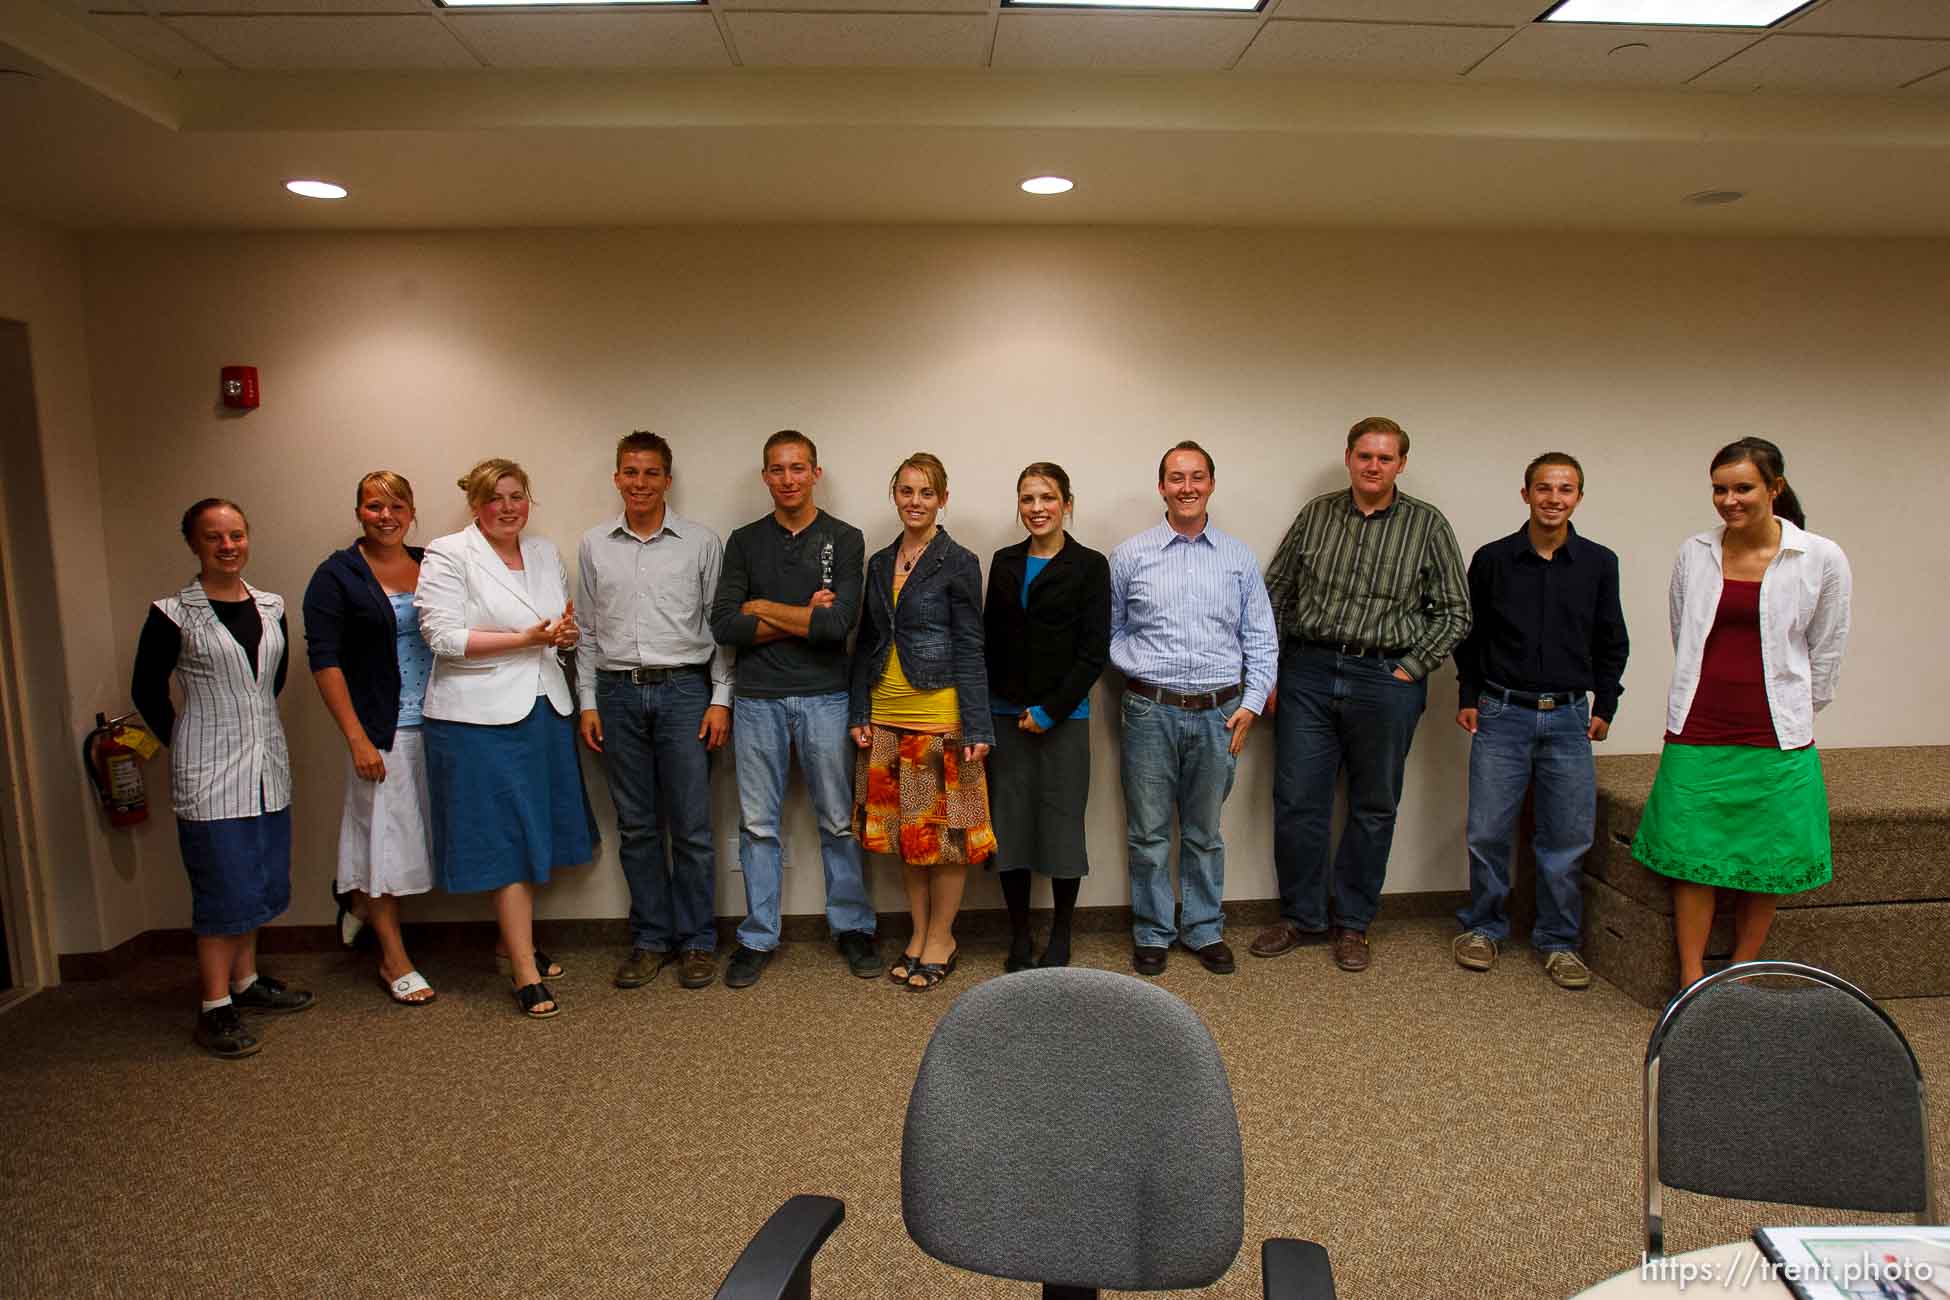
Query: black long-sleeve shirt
[(1545, 625), (162, 641)]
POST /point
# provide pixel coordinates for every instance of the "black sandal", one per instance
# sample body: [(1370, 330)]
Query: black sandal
[(931, 973), (903, 967), (530, 996)]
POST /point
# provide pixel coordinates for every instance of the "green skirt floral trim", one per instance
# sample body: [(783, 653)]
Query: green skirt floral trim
[(1738, 817)]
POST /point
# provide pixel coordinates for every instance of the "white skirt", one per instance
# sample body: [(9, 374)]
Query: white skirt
[(385, 836)]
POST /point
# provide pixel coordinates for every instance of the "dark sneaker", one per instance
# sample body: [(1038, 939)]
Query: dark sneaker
[(744, 968), (862, 953), (1216, 957), (1351, 950), (267, 994), (640, 967), (221, 1032), (697, 968), (1148, 961)]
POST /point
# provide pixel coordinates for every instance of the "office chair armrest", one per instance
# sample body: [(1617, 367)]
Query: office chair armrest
[(777, 1262), (1292, 1269)]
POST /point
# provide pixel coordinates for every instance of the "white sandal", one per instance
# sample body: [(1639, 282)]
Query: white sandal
[(403, 989)]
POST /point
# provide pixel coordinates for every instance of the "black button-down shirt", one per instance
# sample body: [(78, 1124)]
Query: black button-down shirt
[(1544, 625)]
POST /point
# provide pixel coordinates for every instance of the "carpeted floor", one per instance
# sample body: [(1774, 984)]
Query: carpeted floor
[(1442, 1133)]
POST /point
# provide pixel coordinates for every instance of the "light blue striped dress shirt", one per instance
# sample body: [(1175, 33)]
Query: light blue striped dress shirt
[(1190, 614)]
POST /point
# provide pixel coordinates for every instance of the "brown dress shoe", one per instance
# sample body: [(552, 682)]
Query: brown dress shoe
[(1216, 957), (1283, 936), (640, 967), (697, 968), (1350, 950)]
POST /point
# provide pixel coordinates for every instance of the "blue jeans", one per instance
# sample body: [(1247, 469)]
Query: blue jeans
[(1175, 759), (1548, 750), (1338, 711), (765, 733), (660, 781)]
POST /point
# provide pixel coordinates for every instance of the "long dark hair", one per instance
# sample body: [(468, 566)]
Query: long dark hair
[(1767, 460)]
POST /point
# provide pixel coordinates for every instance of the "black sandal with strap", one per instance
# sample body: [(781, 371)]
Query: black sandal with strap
[(530, 996), (931, 973), (903, 967)]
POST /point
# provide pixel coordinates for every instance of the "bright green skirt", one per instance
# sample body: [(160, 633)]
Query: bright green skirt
[(1739, 817)]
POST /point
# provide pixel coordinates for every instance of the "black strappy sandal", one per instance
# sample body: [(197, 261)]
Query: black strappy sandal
[(931, 973), (530, 996)]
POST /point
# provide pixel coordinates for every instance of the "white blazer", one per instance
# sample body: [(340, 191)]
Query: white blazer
[(1804, 596), (464, 586)]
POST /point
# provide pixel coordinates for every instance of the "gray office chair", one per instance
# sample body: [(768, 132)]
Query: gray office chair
[(1072, 1128), (1806, 1095)]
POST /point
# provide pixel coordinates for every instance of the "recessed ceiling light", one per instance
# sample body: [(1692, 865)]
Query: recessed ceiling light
[(1674, 13), (1228, 6), (1048, 185), (316, 189), (1715, 198)]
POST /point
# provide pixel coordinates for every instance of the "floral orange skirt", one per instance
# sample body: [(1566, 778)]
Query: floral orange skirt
[(913, 796)]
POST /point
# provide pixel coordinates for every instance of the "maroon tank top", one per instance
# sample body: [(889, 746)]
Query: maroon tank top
[(1730, 706)]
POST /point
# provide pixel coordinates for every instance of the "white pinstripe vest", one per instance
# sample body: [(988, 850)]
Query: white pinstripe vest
[(229, 741)]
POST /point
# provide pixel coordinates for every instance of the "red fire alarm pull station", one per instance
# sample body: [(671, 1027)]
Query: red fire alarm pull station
[(240, 387)]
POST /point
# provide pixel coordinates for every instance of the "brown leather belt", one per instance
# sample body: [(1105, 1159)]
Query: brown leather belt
[(1205, 700)]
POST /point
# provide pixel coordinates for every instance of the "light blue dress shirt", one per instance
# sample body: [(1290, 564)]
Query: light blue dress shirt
[(1190, 614)]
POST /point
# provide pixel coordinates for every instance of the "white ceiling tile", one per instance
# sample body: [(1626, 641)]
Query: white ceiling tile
[(1939, 84), (170, 8), (1052, 40), (1477, 12), (860, 40), (877, 6), (635, 39), (1828, 63), (1651, 56), (1376, 50), (153, 43), (338, 43), (1878, 18)]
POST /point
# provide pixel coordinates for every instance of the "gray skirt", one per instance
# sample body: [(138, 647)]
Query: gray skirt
[(1039, 786)]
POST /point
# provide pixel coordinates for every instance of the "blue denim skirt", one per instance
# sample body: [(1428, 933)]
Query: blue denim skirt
[(239, 869), (508, 801)]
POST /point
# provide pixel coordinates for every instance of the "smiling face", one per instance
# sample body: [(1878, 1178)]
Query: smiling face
[(382, 516), (915, 499), (789, 476), (1553, 494), (1040, 503), (1742, 496), (1186, 486), (222, 542), (641, 479), (1373, 463), (503, 515)]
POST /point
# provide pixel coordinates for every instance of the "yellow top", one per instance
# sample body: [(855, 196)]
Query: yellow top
[(898, 704)]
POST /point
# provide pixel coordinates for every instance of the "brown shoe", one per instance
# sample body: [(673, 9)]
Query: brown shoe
[(1281, 937), (1350, 950), (697, 968), (1216, 957), (640, 967)]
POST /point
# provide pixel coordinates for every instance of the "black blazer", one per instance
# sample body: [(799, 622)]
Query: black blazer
[(1050, 654), (349, 626)]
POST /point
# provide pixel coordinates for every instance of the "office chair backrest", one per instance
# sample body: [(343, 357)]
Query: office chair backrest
[(1074, 1127), (1806, 1094)]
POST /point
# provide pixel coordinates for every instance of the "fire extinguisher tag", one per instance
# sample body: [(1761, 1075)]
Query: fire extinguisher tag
[(139, 739)]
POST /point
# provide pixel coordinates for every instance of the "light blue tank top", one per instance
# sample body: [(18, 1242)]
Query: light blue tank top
[(415, 658)]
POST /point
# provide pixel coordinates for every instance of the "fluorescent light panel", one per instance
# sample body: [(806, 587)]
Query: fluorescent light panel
[(552, 4), (1675, 13), (1222, 6)]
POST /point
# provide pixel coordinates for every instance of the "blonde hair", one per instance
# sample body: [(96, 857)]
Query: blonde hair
[(393, 485), (478, 483), (929, 464)]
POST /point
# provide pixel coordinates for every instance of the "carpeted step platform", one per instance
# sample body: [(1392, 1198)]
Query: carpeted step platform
[(1882, 923)]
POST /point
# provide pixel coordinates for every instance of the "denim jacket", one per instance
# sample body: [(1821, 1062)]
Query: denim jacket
[(938, 627)]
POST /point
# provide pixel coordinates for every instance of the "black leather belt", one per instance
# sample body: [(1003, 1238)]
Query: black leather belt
[(653, 676), (1543, 701), (1204, 700), (1349, 650)]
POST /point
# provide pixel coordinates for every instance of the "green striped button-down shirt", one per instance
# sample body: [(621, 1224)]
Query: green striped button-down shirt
[(1391, 580)]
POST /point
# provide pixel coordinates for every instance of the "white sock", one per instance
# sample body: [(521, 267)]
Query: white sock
[(238, 986), (220, 1002)]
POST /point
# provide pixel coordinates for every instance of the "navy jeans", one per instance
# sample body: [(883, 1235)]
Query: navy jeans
[(660, 781), (1516, 749), (1338, 712), (1176, 760)]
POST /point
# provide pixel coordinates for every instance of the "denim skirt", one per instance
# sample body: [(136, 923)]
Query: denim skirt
[(239, 869), (508, 801)]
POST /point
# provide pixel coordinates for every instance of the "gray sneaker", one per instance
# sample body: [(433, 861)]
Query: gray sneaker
[(1567, 970), (1474, 950)]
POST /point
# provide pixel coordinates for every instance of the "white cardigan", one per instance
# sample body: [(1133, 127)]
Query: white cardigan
[(1804, 597), (465, 586)]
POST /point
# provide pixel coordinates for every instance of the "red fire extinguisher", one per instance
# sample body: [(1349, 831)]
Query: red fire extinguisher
[(113, 755)]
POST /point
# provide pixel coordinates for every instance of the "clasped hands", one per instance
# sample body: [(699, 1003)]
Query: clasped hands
[(560, 632)]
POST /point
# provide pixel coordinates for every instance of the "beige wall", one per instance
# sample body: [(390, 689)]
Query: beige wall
[(995, 347), (57, 570)]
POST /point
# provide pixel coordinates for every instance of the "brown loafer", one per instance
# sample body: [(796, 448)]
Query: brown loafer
[(1216, 957), (640, 967), (1281, 937), (1351, 950), (697, 968)]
